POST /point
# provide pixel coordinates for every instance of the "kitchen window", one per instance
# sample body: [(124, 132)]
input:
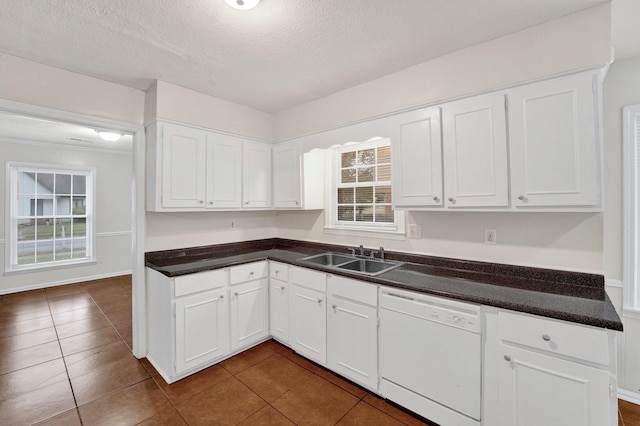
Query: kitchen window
[(51, 216), (631, 212), (361, 191)]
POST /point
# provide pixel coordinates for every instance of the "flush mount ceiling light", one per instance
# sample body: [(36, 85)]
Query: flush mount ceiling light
[(242, 4), (109, 136)]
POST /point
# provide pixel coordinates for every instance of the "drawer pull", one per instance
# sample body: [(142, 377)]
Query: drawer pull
[(221, 297), (319, 301), (546, 337), (236, 294), (334, 306), (507, 357)]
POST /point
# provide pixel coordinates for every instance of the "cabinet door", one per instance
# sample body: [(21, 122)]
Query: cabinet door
[(554, 146), (416, 150), (308, 322), (256, 175), (286, 176), (536, 389), (475, 152), (279, 310), (183, 166), (224, 171), (249, 313), (201, 329), (352, 342)]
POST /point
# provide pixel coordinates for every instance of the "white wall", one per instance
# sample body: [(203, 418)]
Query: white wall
[(113, 216)]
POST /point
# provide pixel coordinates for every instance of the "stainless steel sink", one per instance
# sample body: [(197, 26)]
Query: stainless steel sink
[(348, 263)]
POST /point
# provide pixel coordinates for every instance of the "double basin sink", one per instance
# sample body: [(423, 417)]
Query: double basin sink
[(344, 262)]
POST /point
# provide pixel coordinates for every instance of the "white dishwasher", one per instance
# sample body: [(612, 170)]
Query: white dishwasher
[(431, 356)]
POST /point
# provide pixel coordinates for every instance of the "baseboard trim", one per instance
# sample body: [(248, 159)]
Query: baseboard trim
[(63, 282), (629, 396)]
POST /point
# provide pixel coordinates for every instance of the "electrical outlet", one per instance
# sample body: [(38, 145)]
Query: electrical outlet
[(415, 231), (232, 224), (490, 236)]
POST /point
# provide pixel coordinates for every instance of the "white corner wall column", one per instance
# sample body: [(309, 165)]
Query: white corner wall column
[(631, 213)]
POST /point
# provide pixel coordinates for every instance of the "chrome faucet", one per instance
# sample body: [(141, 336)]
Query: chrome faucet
[(381, 253), (361, 250)]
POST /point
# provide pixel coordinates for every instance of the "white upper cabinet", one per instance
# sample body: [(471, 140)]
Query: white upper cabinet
[(298, 178), (224, 171), (475, 152), (555, 143), (256, 175), (183, 166), (416, 150)]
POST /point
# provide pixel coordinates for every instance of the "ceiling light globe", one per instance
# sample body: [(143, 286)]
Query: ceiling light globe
[(109, 136), (242, 4)]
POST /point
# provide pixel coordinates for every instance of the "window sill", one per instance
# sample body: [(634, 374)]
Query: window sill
[(49, 267), (388, 235)]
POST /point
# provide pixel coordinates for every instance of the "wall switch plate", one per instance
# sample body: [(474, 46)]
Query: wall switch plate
[(490, 236), (415, 231)]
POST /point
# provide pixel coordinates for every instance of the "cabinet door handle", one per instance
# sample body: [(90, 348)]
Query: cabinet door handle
[(201, 202), (452, 200), (297, 203), (210, 203), (221, 297), (507, 357), (277, 271), (436, 199), (334, 306), (546, 337), (236, 294), (319, 301), (523, 198), (246, 202)]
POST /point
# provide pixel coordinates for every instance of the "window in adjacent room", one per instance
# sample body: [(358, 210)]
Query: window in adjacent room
[(51, 216), (361, 190)]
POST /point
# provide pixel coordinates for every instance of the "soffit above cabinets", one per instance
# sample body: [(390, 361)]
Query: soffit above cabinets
[(279, 55)]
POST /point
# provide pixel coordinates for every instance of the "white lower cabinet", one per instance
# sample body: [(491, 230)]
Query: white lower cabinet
[(308, 314), (352, 330), (249, 304), (279, 301)]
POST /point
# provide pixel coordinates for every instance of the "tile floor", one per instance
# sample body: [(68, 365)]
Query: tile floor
[(65, 359)]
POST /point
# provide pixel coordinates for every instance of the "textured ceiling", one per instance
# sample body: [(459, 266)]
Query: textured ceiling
[(279, 55)]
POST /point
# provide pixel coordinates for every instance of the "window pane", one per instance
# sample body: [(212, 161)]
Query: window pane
[(348, 175), (384, 173), (26, 230), (26, 183), (367, 157), (26, 253), (364, 195), (45, 183), (79, 248), (345, 213), (44, 206), (44, 251), (383, 194), (348, 159), (44, 229), (26, 205), (384, 154), (79, 227), (63, 249), (63, 184), (63, 228), (79, 184), (366, 174), (384, 214), (63, 206), (345, 196), (79, 206), (364, 213)]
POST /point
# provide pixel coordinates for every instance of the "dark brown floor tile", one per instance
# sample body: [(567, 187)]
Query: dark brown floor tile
[(267, 416), (365, 414), (38, 405), (27, 340), (25, 295), (116, 305), (189, 386), (342, 383), (125, 331), (70, 302), (393, 411), (630, 413), (22, 382), (81, 326), (620, 421), (315, 401), (132, 406), (246, 359), (277, 347), (149, 367), (77, 315), (89, 340), (70, 418), (12, 328), (228, 403), (273, 377), (13, 314), (103, 370), (120, 317), (168, 417), (28, 357), (64, 290)]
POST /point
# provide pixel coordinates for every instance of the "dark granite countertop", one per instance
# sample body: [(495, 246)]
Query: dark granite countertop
[(571, 296)]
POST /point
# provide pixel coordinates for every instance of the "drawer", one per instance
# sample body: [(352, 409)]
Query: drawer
[(279, 271), (308, 278), (194, 283), (248, 272), (355, 290), (561, 337)]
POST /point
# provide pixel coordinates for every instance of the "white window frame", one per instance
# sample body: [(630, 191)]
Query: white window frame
[(631, 208), (395, 230), (11, 216)]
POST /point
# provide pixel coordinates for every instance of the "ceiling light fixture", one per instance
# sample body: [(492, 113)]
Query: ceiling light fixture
[(109, 136), (242, 4)]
